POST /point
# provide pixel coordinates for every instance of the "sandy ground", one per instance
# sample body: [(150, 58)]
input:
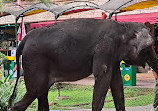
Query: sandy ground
[(144, 80)]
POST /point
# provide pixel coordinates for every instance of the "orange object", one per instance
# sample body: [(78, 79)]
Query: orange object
[(11, 58)]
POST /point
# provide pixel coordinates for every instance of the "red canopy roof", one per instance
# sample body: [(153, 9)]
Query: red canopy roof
[(42, 24), (147, 17)]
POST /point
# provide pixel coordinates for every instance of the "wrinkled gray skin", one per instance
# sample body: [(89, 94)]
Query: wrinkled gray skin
[(74, 49)]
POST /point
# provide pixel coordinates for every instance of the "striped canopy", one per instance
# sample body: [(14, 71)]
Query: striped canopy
[(128, 5), (81, 5)]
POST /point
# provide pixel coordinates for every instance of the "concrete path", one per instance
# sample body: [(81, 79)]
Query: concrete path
[(137, 108)]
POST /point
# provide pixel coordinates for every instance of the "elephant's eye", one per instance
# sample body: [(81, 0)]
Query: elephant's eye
[(148, 29), (138, 35)]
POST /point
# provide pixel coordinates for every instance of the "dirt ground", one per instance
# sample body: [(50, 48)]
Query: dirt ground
[(143, 80)]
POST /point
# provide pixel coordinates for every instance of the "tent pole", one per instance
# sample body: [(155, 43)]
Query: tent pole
[(22, 18), (16, 27), (56, 17), (115, 16), (110, 15)]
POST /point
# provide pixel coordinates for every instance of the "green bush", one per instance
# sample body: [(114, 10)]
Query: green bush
[(3, 59), (6, 91), (4, 80)]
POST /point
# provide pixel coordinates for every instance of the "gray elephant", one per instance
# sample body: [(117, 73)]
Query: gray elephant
[(76, 48)]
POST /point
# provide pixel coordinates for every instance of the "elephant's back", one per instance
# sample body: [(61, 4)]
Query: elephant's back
[(71, 35)]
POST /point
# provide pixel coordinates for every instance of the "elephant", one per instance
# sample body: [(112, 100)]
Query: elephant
[(74, 49)]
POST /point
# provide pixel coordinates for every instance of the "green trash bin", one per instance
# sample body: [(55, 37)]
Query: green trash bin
[(128, 74), (8, 69)]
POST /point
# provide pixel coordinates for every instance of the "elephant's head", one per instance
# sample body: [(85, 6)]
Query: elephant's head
[(139, 47)]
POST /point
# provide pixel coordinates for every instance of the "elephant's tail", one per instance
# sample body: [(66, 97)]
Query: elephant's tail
[(18, 53)]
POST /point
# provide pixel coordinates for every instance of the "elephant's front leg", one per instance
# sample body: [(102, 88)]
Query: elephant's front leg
[(102, 73), (117, 88)]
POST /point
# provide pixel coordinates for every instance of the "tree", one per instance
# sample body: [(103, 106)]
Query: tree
[(2, 1)]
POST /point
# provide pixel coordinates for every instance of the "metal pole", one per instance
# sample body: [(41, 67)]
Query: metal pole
[(16, 20), (22, 18), (115, 16), (110, 15)]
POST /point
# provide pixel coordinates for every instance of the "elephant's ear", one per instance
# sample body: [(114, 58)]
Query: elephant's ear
[(151, 28), (144, 37), (123, 38), (140, 41)]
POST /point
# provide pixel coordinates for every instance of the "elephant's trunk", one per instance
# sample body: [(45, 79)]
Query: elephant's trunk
[(152, 60)]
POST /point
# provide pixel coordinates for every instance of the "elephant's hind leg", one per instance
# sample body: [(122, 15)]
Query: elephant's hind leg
[(24, 102), (41, 83), (43, 102), (42, 90)]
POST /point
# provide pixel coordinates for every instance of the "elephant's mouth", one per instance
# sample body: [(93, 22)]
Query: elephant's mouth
[(152, 60), (139, 59), (138, 63)]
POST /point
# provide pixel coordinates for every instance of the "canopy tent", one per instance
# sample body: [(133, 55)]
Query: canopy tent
[(128, 5), (112, 6), (57, 10), (142, 18), (140, 5), (146, 17), (9, 8)]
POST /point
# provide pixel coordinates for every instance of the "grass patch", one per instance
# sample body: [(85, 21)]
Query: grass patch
[(81, 96), (138, 97), (78, 96), (133, 97)]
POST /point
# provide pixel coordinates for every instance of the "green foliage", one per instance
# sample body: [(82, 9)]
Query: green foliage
[(4, 79), (6, 91), (22, 0), (9, 0), (3, 59), (2, 3), (1, 6), (45, 2)]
